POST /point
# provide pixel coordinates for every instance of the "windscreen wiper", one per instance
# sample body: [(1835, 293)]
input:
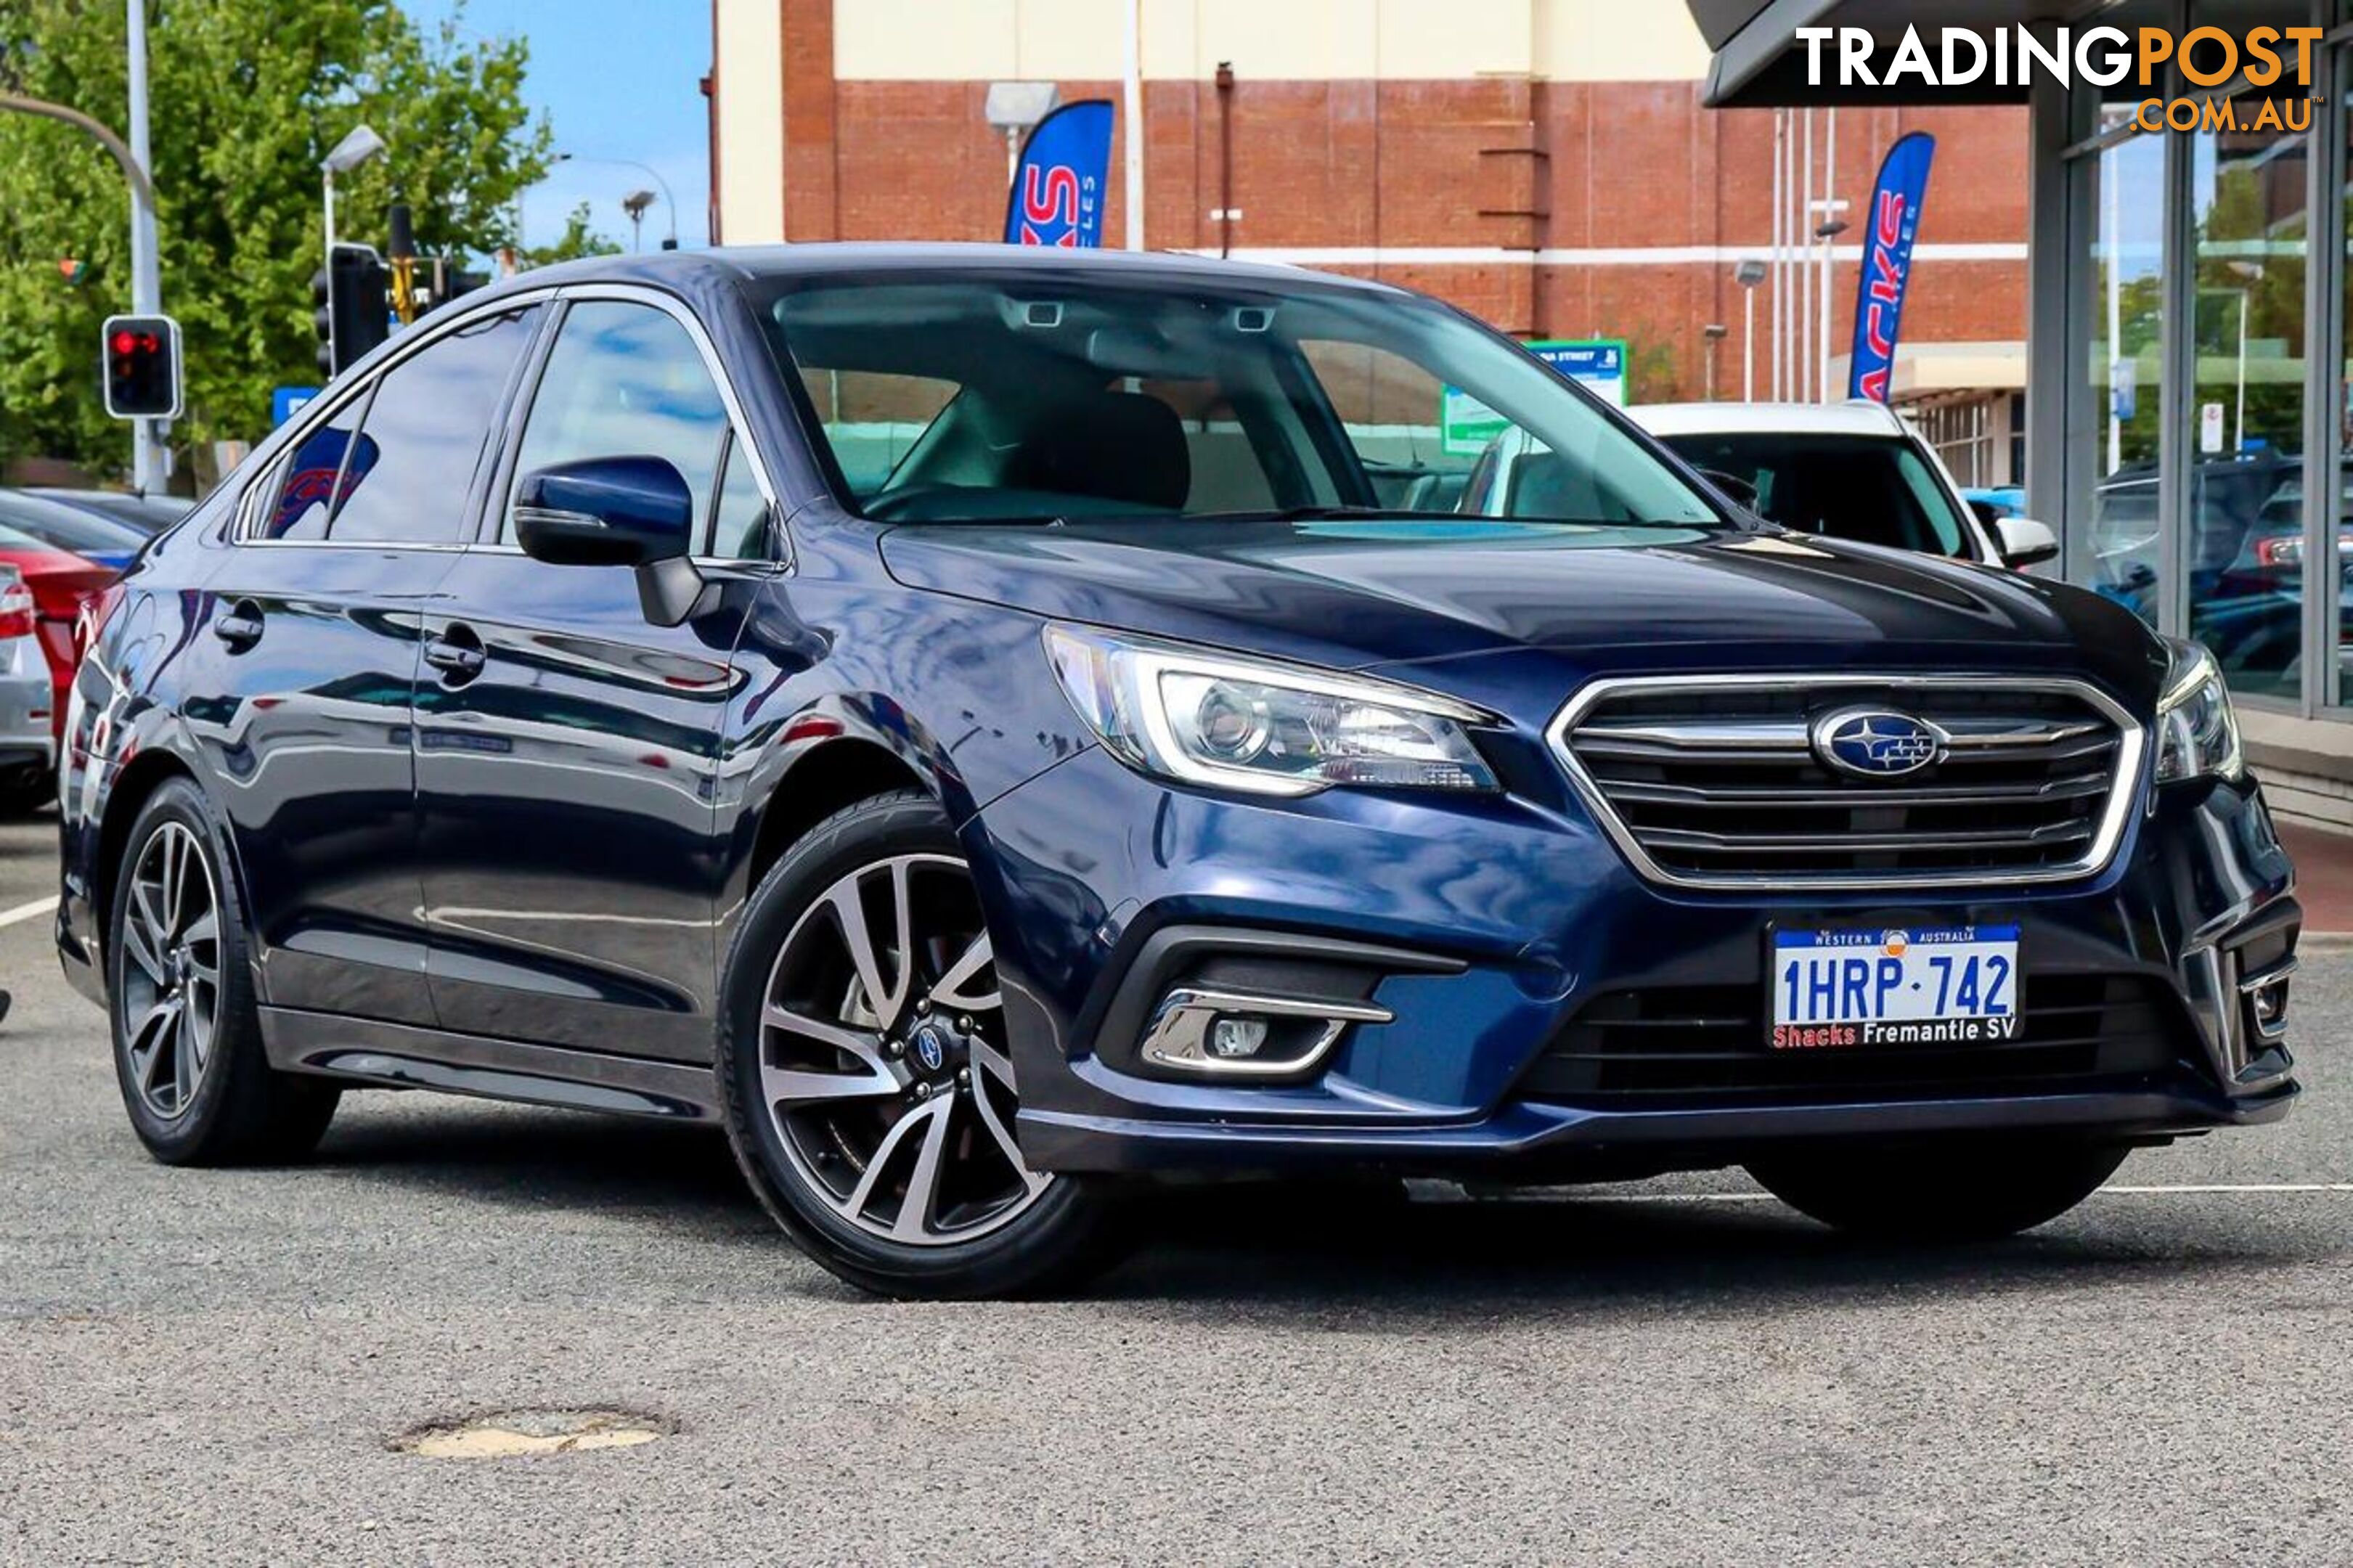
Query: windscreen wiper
[(1344, 511)]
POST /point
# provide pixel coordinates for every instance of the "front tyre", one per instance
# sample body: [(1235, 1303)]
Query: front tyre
[(188, 1036), (863, 1072), (1960, 1189)]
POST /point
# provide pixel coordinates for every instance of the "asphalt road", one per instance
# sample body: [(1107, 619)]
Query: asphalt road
[(209, 1366)]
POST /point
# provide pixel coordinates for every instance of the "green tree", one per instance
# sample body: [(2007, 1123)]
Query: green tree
[(579, 238), (245, 99)]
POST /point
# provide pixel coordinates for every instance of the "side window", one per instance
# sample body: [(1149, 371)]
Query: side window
[(425, 427), (1416, 438), (739, 522), (625, 381), (1428, 446), (306, 480), (873, 418)]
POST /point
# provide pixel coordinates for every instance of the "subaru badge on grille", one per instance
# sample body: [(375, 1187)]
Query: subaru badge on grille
[(1875, 744)]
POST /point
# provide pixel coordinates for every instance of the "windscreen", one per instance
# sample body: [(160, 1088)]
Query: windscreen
[(1875, 490), (1022, 394)]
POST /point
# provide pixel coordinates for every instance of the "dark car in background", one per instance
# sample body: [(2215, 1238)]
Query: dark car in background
[(148, 514), (91, 535), (2246, 567), (993, 728)]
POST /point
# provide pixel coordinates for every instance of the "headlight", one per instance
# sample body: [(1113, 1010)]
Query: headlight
[(2197, 732), (1270, 729)]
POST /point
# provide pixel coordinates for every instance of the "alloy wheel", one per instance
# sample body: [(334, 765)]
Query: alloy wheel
[(882, 1059), (170, 974)]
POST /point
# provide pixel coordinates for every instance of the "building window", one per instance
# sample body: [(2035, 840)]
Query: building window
[(2125, 206), (2244, 561)]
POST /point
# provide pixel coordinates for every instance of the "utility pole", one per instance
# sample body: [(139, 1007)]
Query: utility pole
[(150, 464)]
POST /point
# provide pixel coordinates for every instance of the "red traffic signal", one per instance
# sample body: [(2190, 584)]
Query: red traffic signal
[(141, 356)]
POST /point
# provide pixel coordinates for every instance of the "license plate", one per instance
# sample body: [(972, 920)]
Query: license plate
[(1948, 985)]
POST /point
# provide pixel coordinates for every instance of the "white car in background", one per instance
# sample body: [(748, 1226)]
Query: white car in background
[(1851, 470)]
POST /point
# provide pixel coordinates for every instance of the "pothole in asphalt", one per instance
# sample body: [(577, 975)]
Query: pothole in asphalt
[(503, 1433)]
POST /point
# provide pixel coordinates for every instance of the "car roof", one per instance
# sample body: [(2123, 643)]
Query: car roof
[(1853, 418), (685, 271), (115, 504)]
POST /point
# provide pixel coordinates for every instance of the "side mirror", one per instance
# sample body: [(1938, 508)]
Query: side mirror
[(605, 511), (616, 512), (2025, 542), (1739, 490)]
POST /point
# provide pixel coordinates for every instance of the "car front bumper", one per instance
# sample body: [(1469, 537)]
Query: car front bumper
[(1490, 930)]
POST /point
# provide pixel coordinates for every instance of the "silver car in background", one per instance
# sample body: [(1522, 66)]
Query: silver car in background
[(28, 757)]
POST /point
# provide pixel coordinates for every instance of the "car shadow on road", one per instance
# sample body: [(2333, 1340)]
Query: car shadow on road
[(678, 1175), (1602, 1248), (1302, 1252)]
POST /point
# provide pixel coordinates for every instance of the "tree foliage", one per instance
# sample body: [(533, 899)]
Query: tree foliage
[(579, 238), (245, 99)]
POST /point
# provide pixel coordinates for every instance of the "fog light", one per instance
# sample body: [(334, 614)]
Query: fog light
[(1237, 1037), (1239, 1033)]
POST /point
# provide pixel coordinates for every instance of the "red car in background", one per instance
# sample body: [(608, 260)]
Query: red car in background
[(60, 584)]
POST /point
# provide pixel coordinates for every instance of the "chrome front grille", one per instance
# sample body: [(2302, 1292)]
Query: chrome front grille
[(1716, 782)]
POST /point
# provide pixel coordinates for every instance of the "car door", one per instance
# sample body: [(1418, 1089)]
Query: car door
[(568, 749), (301, 681)]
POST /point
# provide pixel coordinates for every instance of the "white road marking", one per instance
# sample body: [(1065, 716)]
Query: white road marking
[(38, 907)]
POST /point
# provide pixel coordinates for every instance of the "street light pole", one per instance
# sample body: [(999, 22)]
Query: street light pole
[(150, 467), (1827, 233), (1748, 274), (359, 144), (670, 203)]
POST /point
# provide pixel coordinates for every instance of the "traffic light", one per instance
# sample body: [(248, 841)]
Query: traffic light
[(141, 358), (350, 308)]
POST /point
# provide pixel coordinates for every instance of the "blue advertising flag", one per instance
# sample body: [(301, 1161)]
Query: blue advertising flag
[(1894, 223), (1058, 188)]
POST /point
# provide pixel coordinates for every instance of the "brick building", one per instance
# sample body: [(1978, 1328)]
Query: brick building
[(1546, 164)]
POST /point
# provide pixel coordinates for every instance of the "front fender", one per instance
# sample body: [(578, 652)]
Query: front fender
[(843, 667)]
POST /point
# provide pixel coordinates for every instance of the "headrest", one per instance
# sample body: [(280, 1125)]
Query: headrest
[(1120, 445)]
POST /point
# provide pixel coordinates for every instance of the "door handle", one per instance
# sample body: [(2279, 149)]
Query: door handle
[(457, 653), (241, 627)]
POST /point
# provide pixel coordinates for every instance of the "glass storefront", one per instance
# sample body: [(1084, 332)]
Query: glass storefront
[(2194, 359)]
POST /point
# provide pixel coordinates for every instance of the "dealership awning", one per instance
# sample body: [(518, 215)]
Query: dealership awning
[(1759, 60)]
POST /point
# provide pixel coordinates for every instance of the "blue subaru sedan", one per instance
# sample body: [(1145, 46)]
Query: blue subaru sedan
[(996, 729)]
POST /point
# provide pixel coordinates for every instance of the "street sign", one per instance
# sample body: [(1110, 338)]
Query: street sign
[(2210, 427), (1598, 364), (285, 402), (1465, 425)]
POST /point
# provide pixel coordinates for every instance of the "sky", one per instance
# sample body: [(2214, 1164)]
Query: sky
[(616, 80)]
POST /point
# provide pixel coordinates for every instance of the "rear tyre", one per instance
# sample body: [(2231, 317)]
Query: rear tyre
[(26, 791), (1971, 1189), (864, 1075), (188, 1036)]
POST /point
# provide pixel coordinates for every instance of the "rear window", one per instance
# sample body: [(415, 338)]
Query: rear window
[(1874, 489)]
